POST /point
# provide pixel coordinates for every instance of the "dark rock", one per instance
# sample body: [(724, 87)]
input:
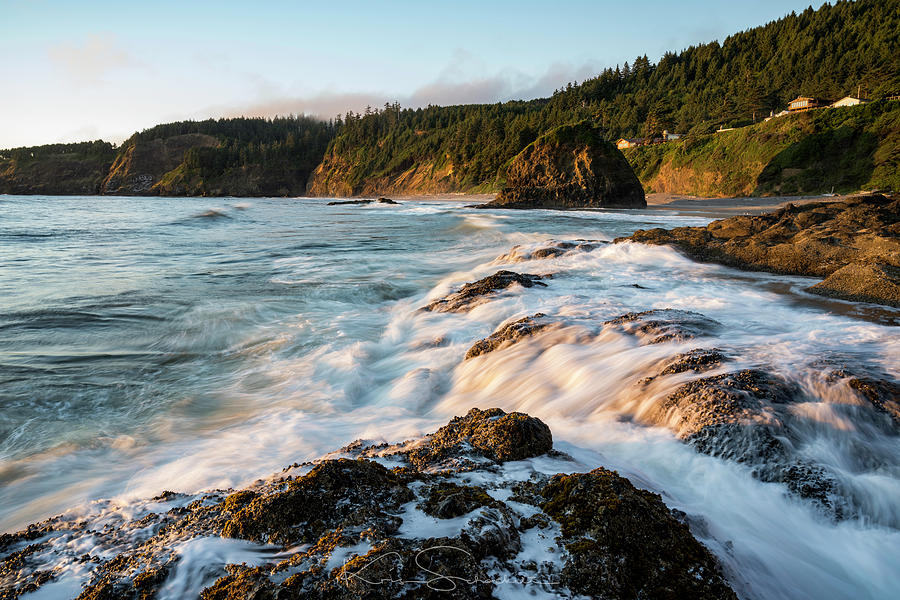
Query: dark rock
[(335, 493), (623, 542), (697, 360), (242, 583), (383, 200), (570, 167), (342, 202), (491, 434), (854, 244), (550, 250), (472, 293), (509, 334), (448, 500), (665, 325)]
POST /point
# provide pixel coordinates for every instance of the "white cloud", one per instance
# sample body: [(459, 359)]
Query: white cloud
[(92, 59)]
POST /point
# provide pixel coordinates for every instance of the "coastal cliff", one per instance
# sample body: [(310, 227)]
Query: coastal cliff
[(570, 167)]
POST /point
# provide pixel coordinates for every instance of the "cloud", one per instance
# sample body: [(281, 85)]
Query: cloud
[(450, 87), (93, 58)]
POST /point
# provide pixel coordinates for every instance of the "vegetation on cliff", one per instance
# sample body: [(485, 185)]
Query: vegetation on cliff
[(826, 53), (845, 149), (55, 168)]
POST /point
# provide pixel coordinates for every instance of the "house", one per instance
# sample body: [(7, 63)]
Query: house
[(668, 137), (849, 101), (802, 103), (623, 143)]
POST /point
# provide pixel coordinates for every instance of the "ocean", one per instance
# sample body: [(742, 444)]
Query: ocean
[(151, 344)]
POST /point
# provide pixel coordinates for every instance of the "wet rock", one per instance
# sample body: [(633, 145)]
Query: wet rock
[(490, 434), (242, 583), (381, 200), (697, 360), (854, 244), (623, 542), (666, 325), (335, 493), (447, 500), (509, 334), (473, 293), (337, 529), (863, 282), (549, 250), (570, 167)]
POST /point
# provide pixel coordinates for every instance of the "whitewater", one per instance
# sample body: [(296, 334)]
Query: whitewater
[(154, 344)]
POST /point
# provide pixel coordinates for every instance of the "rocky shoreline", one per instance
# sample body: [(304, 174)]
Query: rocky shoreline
[(436, 517), (853, 245)]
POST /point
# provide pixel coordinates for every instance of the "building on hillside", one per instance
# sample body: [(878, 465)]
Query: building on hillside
[(849, 101), (623, 143), (802, 103), (668, 137)]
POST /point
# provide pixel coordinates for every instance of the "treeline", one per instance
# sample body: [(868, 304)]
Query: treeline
[(97, 148), (826, 53)]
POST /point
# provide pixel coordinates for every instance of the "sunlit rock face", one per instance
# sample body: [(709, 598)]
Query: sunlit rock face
[(570, 167)]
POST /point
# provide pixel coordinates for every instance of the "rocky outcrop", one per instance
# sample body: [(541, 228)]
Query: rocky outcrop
[(853, 244), (472, 294), (381, 200), (602, 517), (570, 167), (547, 250), (353, 528), (665, 325), (509, 334)]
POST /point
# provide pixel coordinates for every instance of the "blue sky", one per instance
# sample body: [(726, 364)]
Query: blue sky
[(75, 70)]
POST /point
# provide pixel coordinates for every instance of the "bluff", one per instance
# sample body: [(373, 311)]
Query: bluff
[(55, 169), (570, 167)]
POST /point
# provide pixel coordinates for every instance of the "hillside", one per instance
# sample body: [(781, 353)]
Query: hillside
[(55, 169), (825, 53), (846, 149)]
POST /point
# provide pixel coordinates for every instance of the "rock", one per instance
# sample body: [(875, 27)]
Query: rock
[(623, 542), (342, 202), (473, 293), (665, 325), (697, 360), (854, 244), (491, 434), (448, 500), (861, 282), (570, 167), (549, 250), (335, 493), (509, 334), (381, 200), (336, 530)]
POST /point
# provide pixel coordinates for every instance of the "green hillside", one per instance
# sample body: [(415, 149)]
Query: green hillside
[(844, 149)]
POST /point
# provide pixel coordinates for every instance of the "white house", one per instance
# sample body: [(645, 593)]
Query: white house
[(849, 101)]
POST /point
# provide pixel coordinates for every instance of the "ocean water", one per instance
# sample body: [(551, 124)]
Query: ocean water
[(151, 344)]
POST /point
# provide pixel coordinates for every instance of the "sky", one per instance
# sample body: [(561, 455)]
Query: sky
[(75, 70)]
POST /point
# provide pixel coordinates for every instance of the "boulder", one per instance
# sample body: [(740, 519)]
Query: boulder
[(509, 334), (570, 167), (472, 294)]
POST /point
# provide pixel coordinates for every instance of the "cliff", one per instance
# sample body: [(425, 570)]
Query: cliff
[(570, 167), (141, 165), (57, 169)]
